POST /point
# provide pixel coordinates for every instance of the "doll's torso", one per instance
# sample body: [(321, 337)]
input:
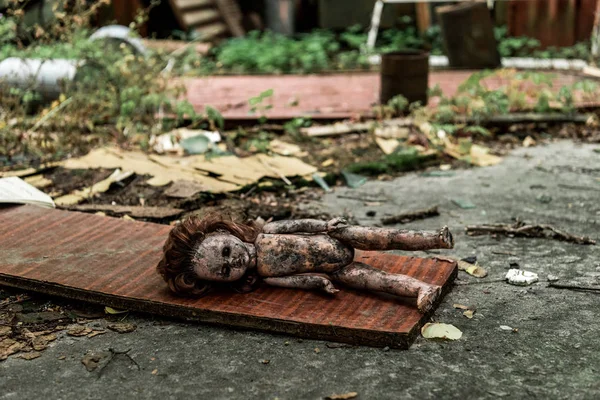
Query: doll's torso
[(287, 254)]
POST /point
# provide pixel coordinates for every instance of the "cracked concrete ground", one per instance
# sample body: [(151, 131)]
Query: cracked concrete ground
[(554, 354)]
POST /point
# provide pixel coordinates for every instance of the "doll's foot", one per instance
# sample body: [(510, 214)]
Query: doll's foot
[(427, 296)]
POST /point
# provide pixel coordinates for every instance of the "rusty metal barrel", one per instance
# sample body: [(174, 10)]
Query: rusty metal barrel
[(404, 72)]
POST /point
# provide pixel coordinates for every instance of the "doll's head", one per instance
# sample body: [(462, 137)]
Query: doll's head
[(202, 252)]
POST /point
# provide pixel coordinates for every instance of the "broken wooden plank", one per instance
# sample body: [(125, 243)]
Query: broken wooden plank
[(112, 262)]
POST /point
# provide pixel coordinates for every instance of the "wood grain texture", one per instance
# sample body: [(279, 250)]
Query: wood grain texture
[(111, 261)]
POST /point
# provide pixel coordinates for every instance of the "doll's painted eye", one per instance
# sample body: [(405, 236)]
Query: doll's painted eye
[(226, 251)]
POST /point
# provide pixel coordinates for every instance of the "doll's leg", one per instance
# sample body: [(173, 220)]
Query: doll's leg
[(362, 276), (370, 238)]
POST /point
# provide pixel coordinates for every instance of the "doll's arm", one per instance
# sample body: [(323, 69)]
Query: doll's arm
[(296, 226), (303, 282)]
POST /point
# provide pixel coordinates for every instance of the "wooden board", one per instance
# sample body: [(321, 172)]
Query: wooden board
[(211, 19), (112, 261)]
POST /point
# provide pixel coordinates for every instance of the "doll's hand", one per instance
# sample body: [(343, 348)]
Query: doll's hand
[(336, 223)]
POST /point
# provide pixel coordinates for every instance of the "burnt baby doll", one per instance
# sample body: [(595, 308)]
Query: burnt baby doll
[(302, 254)]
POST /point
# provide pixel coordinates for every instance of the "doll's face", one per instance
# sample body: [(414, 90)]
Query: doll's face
[(221, 257)]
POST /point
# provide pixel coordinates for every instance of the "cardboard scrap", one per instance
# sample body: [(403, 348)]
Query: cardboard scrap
[(388, 146), (217, 175)]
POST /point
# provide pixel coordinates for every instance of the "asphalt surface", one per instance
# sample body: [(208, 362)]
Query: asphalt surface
[(555, 352)]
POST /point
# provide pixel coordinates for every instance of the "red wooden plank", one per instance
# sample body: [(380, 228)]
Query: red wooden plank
[(112, 262)]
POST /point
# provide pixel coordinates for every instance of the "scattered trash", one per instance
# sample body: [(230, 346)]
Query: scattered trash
[(523, 229), (354, 180), (79, 195), (464, 204), (183, 140), (409, 216), (509, 328), (16, 191), (122, 327), (440, 331), (521, 278), (472, 269), (343, 396), (321, 182)]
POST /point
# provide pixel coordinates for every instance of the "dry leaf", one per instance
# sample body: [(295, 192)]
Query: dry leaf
[(440, 331), (96, 333), (62, 357), (469, 313), (8, 347), (342, 396), (29, 356), (110, 310), (78, 330), (317, 350), (5, 330), (480, 156), (265, 361), (460, 306), (122, 327), (529, 141), (155, 371), (41, 342), (91, 361)]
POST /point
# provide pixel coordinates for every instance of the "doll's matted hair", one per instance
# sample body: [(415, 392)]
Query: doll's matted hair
[(176, 267)]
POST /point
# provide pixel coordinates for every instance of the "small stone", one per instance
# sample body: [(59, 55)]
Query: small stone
[(552, 278)]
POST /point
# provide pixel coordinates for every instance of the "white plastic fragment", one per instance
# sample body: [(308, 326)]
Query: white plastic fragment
[(521, 278), (506, 328)]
